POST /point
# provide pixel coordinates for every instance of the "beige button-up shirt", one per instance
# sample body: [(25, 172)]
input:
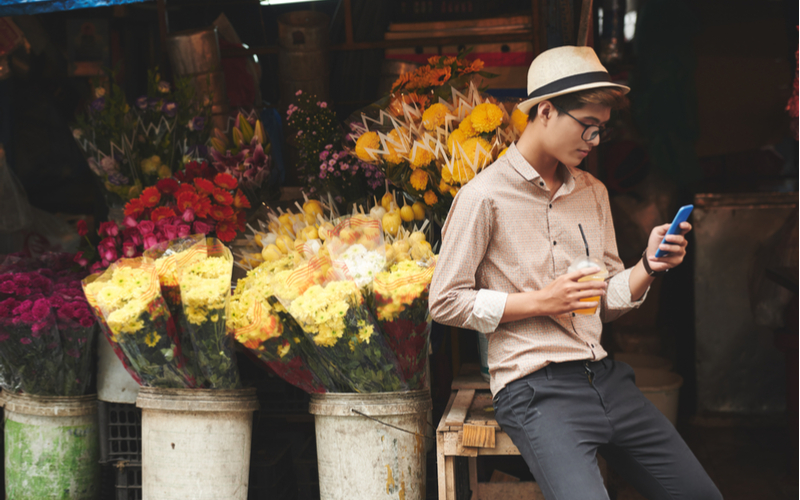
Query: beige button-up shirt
[(507, 233)]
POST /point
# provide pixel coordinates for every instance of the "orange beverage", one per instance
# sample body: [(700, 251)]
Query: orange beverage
[(582, 263)]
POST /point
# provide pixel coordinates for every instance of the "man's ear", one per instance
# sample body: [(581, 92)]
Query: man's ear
[(546, 109)]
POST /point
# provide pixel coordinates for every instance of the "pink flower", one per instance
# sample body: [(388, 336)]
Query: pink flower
[(188, 215), (146, 227), (109, 253), (184, 230), (108, 229), (97, 266), (107, 243), (25, 340), (82, 229), (201, 227), (170, 231), (128, 249), (81, 260), (150, 240), (298, 92), (86, 321), (129, 221)]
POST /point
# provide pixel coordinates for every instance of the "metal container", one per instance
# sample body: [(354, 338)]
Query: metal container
[(303, 54), (738, 368), (195, 54)]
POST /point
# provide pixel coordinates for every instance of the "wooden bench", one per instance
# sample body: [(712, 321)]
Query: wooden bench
[(470, 404)]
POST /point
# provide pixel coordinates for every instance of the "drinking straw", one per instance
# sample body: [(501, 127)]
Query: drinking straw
[(584, 239)]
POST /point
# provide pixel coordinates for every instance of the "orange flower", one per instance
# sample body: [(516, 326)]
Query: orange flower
[(226, 229), (187, 200), (203, 207), (438, 77), (226, 181), (150, 196), (204, 185), (476, 66), (185, 187), (240, 200), (220, 212), (221, 196), (161, 213), (134, 208)]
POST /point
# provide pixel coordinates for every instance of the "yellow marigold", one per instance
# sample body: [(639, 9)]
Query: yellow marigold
[(462, 173), (502, 153), (434, 116), (519, 119), (466, 127), (420, 156), (478, 151), (453, 191), (368, 140), (486, 117), (395, 144), (456, 135), (443, 186), (430, 198), (419, 179)]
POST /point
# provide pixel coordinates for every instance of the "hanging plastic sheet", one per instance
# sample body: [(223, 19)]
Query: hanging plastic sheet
[(27, 7)]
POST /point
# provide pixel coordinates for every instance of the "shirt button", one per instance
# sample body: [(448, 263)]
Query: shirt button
[(592, 345), (541, 183), (551, 205), (573, 315), (554, 243)]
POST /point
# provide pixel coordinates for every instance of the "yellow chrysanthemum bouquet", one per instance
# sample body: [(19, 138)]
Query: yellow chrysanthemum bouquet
[(262, 325), (331, 309), (204, 275), (127, 301), (432, 149)]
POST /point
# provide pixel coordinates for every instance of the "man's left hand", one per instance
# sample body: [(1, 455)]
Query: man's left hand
[(675, 244)]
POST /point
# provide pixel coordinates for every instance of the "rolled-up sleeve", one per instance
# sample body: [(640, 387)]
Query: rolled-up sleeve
[(454, 299)]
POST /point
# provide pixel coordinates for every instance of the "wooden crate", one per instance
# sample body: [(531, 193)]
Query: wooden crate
[(471, 404)]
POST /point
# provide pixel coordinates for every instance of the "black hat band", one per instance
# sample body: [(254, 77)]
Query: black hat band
[(570, 82)]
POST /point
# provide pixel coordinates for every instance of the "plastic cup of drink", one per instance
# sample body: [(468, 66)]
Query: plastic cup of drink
[(584, 262)]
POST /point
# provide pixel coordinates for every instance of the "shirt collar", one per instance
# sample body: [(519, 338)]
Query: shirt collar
[(530, 174)]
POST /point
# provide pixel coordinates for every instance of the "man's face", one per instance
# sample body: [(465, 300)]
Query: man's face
[(565, 137)]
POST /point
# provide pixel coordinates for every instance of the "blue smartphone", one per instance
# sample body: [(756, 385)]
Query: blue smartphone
[(675, 227)]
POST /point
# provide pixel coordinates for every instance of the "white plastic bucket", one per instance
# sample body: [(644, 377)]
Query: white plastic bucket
[(52, 447), (196, 443), (114, 383), (370, 456), (662, 388)]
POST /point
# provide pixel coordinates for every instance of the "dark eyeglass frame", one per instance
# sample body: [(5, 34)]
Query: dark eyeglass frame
[(602, 131)]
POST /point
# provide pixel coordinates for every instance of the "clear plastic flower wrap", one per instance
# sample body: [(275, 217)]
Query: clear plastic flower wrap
[(333, 314), (128, 304), (166, 255), (356, 246), (401, 308), (204, 275)]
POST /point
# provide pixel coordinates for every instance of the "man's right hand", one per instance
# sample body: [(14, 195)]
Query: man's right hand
[(565, 293)]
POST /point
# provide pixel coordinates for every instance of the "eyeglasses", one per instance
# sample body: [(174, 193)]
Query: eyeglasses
[(589, 131)]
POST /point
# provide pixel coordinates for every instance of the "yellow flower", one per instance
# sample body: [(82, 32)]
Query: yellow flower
[(453, 191), (150, 165), (434, 116), (444, 187), (486, 117), (519, 119), (368, 140), (365, 331), (502, 153), (284, 350), (164, 172), (421, 156), (466, 127), (478, 151), (430, 198), (456, 137), (152, 339), (462, 173), (395, 144), (419, 179)]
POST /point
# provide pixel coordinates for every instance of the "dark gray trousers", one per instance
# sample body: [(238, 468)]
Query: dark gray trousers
[(561, 416)]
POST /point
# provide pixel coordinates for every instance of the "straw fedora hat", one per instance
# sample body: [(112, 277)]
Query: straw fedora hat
[(563, 70)]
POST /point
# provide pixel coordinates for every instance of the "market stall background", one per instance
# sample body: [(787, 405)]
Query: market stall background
[(701, 139)]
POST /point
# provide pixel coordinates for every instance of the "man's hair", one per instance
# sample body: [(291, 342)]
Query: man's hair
[(604, 96)]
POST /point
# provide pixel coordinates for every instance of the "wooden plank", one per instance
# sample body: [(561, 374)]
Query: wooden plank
[(471, 381), (458, 412), (478, 436), (450, 478), (442, 426), (440, 464), (585, 23), (503, 446), (481, 411), (525, 490), (463, 451)]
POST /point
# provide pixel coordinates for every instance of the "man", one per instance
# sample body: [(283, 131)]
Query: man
[(509, 238)]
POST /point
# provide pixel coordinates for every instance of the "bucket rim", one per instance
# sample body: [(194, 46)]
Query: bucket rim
[(198, 400), (342, 404), (50, 406)]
